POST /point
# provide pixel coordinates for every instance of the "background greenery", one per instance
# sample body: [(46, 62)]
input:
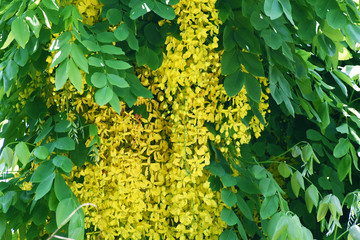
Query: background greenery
[(306, 158)]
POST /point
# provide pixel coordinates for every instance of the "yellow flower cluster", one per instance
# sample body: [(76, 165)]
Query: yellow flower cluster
[(149, 181)]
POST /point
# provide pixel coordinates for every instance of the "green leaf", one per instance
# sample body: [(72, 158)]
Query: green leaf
[(153, 35), (269, 207), (259, 172), (91, 45), (33, 22), (228, 180), (252, 64), (313, 135), (141, 9), (323, 208), (341, 148), (23, 153), (21, 57), (63, 126), (133, 42), (62, 190), (253, 88), (7, 156), (228, 197), (61, 55), (61, 75), (43, 171), (147, 56), (267, 187), (51, 4), (11, 70), (122, 32), (99, 79), (164, 11), (354, 232), (229, 62), (46, 129), (60, 41), (137, 88), (117, 81), (272, 9), (3, 223), (259, 21), (271, 38), (44, 187), (103, 95), (353, 31), (76, 227), (327, 45), (63, 162), (228, 235), (64, 209), (115, 104), (336, 19), (233, 83), (287, 10), (228, 216), (41, 152), (106, 37), (284, 170), (244, 207), (74, 75), (295, 185), (111, 49), (114, 16), (311, 197), (79, 58), (344, 167), (96, 62), (65, 143), (117, 64), (20, 31), (281, 226)]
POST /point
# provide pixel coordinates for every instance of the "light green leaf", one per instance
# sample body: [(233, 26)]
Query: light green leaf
[(65, 143), (147, 56), (103, 95), (33, 22), (20, 31), (281, 227), (117, 81), (141, 9), (284, 170), (111, 49), (323, 208), (51, 4), (61, 55), (341, 148), (61, 75), (21, 57), (267, 187), (228, 197), (354, 232), (344, 167), (96, 62), (269, 207), (311, 197), (23, 153), (272, 9), (117, 64), (99, 79), (115, 104), (295, 185), (286, 6), (74, 75), (44, 187), (41, 152), (91, 45), (79, 58), (106, 37), (63, 162), (64, 209)]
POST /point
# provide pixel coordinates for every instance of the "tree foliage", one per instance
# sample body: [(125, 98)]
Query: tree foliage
[(306, 158)]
